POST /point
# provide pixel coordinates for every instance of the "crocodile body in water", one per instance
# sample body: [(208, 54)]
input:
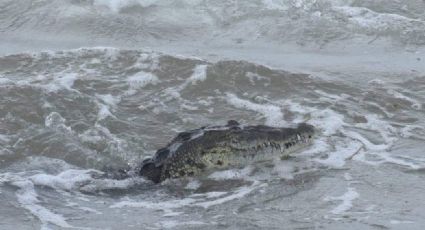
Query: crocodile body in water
[(232, 145)]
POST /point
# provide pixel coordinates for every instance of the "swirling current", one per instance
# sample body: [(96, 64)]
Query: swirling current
[(86, 86)]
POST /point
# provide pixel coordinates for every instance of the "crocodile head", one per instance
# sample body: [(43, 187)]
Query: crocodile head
[(194, 151)]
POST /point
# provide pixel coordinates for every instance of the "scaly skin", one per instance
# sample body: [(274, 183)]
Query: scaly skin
[(232, 145)]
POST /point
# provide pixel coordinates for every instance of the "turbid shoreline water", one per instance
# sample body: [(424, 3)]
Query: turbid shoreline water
[(86, 85)]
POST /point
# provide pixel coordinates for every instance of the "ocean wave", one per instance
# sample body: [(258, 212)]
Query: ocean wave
[(70, 114), (307, 23)]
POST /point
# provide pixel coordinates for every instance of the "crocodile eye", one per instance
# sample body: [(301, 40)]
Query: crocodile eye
[(235, 128), (145, 161), (162, 154), (232, 123), (184, 136)]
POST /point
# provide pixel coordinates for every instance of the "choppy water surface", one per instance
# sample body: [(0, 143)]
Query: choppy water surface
[(68, 114)]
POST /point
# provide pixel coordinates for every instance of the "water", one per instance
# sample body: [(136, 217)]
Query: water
[(150, 69)]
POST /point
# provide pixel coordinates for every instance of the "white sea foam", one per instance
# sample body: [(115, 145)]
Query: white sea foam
[(185, 106), (60, 82), (332, 98), (69, 180), (346, 201), (366, 143), (117, 5), (109, 99), (275, 4), (343, 151), (204, 200), (174, 93), (28, 199), (388, 158), (362, 157), (254, 78), (165, 206), (415, 103), (320, 145), (167, 224), (272, 113), (100, 132), (376, 124), (381, 108), (142, 79), (209, 195), (193, 185), (5, 151), (104, 112), (4, 138), (231, 174), (414, 131), (172, 214), (199, 74), (395, 222), (55, 121), (87, 209), (105, 184), (139, 81), (329, 121), (238, 194), (284, 5), (5, 81), (367, 18)]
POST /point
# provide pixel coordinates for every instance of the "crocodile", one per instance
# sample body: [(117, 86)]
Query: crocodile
[(218, 147)]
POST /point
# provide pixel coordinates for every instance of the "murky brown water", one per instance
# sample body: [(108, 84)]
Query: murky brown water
[(68, 114)]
